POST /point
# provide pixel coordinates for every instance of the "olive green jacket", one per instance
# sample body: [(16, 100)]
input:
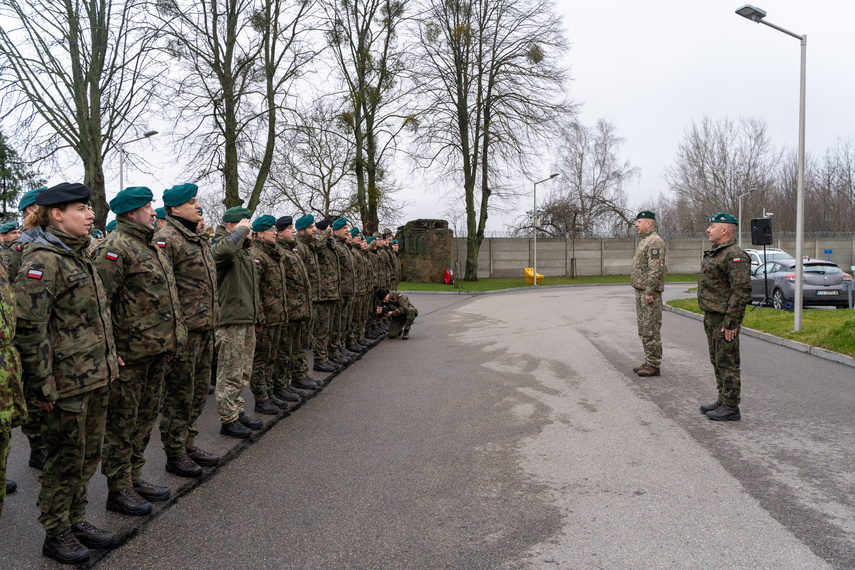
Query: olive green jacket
[(724, 285), (237, 277)]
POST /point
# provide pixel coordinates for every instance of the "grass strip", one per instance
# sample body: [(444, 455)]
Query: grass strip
[(516, 282), (831, 329)]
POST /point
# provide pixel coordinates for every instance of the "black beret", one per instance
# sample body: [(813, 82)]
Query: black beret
[(63, 193), (381, 294), (283, 222), (323, 224)]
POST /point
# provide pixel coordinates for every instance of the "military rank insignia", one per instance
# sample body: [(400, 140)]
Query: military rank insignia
[(112, 256), (34, 274)]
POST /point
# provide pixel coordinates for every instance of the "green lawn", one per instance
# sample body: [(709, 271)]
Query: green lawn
[(830, 329), (514, 282)]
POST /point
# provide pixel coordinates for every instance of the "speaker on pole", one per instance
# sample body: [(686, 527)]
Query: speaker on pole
[(761, 231)]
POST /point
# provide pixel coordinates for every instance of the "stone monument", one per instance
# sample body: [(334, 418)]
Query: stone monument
[(425, 250)]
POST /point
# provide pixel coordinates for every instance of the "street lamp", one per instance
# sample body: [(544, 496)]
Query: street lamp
[(750, 190), (756, 15), (121, 145), (534, 218)]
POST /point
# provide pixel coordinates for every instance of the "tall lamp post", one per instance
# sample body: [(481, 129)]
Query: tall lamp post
[(121, 145), (750, 190), (756, 15), (534, 219)]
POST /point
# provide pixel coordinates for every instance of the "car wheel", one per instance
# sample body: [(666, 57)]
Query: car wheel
[(778, 300)]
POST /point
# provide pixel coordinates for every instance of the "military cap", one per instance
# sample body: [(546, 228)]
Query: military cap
[(646, 215), (63, 193), (97, 234), (304, 222), (323, 224), (160, 213), (131, 199), (179, 194), (263, 223), (723, 218), (283, 222), (371, 239), (29, 198), (376, 234), (381, 294), (236, 214), (354, 232), (339, 223), (8, 227), (394, 241), (111, 226)]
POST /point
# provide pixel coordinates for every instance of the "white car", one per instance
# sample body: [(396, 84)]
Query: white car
[(772, 254)]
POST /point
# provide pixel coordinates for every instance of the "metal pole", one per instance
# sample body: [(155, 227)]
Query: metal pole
[(739, 225), (800, 194), (534, 221), (121, 167)]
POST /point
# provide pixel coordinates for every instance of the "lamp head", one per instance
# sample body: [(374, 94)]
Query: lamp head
[(751, 12), (148, 134)]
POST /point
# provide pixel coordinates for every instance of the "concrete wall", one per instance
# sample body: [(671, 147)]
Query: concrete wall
[(506, 257)]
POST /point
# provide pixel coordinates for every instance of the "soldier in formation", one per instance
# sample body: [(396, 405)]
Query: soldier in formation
[(648, 279)]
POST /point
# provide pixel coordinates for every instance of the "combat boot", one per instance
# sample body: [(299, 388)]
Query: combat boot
[(202, 457), (11, 486), (37, 459), (285, 394), (340, 360), (127, 502), (356, 348), (235, 429), (183, 466), (150, 492), (725, 413), (648, 370), (91, 536), (406, 334), (266, 407), (639, 367), (304, 384), (324, 367), (710, 407), (65, 548), (252, 424)]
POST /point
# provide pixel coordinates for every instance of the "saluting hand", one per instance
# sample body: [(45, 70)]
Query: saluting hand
[(244, 223)]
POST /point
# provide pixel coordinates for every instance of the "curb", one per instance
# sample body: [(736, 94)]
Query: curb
[(528, 288), (823, 353)]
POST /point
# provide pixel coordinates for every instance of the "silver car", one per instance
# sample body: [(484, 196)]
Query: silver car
[(822, 283)]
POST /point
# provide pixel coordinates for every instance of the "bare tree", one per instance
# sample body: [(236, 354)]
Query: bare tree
[(490, 80), (76, 76), (238, 60)]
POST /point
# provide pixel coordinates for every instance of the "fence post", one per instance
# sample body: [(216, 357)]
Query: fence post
[(602, 256)]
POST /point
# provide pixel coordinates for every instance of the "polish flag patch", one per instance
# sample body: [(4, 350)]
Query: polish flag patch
[(19, 247), (161, 243), (112, 256), (737, 259), (257, 261), (34, 274)]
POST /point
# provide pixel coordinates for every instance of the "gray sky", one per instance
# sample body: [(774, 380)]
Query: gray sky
[(652, 67)]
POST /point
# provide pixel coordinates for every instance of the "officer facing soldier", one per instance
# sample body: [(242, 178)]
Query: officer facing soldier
[(648, 280)]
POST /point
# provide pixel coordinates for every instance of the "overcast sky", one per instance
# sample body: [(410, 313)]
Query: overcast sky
[(652, 67)]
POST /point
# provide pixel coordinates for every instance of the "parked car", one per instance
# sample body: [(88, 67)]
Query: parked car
[(822, 283), (772, 254)]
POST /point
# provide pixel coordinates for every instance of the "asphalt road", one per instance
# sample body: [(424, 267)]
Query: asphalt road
[(510, 432)]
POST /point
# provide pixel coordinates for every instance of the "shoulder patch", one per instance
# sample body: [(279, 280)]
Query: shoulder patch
[(737, 259), (654, 253), (112, 256), (34, 274), (257, 261), (161, 243), (19, 247)]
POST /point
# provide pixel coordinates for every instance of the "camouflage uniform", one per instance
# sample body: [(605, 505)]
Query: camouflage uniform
[(148, 327), (328, 297), (185, 388), (13, 408), (65, 337), (358, 317), (648, 279), (292, 358), (724, 290), (272, 317), (403, 313), (237, 281), (307, 250), (347, 289)]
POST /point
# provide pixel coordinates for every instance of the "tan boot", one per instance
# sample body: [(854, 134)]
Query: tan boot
[(639, 367), (648, 370)]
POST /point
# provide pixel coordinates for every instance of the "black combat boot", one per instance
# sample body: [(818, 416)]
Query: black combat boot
[(252, 424), (725, 413), (235, 429), (65, 548), (150, 492), (127, 502), (91, 536), (710, 407)]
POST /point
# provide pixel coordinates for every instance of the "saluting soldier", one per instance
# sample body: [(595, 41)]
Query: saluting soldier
[(185, 388), (724, 290), (13, 407), (65, 338), (360, 311), (148, 331), (307, 247), (329, 295), (376, 264), (347, 287), (648, 280)]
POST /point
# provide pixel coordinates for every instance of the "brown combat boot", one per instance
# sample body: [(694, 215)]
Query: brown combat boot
[(639, 367), (648, 370)]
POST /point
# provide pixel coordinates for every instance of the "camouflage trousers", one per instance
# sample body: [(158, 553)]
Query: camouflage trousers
[(73, 432), (291, 355), (724, 356), (341, 324), (324, 312), (649, 327), (185, 391), (131, 412), (358, 318), (403, 322), (234, 369), (32, 426), (267, 344), (4, 455)]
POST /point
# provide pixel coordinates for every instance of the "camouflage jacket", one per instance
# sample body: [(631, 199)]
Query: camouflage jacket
[(307, 250), (271, 284), (330, 275), (297, 282), (13, 406), (347, 273), (15, 252), (64, 331), (360, 277), (724, 285), (385, 266), (648, 265), (194, 271), (376, 265), (398, 304), (141, 290), (237, 277)]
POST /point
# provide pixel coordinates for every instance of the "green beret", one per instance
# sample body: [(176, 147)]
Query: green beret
[(646, 215), (263, 223), (111, 227), (339, 223), (29, 198), (131, 199), (371, 239), (394, 241), (160, 213), (304, 222), (8, 227), (179, 194), (723, 218), (237, 214), (354, 232), (97, 234)]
